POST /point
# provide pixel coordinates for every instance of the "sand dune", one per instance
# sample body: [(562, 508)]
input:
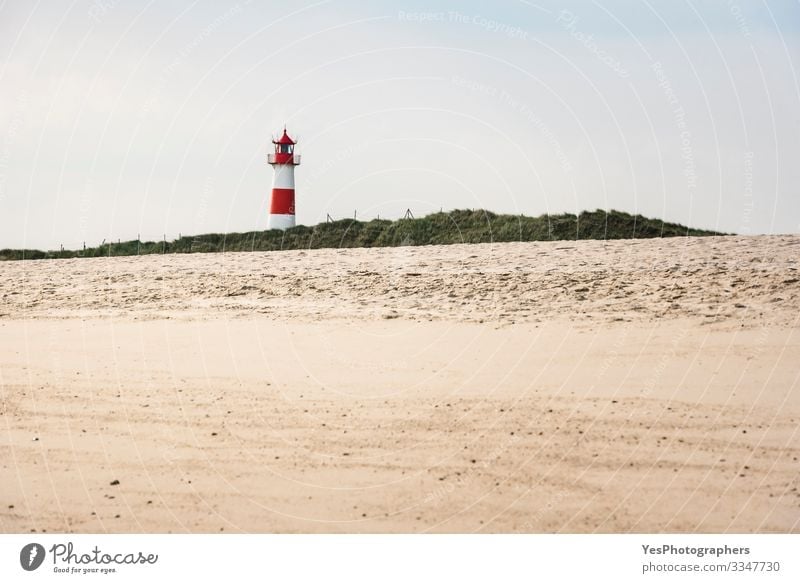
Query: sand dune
[(521, 387)]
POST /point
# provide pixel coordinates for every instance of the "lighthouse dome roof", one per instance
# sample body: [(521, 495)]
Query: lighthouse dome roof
[(284, 139)]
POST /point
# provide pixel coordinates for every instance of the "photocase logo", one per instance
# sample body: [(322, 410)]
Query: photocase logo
[(31, 556)]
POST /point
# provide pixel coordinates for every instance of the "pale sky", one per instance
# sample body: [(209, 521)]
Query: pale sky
[(124, 118)]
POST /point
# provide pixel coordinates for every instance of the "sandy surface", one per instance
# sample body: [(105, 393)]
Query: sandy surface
[(536, 387)]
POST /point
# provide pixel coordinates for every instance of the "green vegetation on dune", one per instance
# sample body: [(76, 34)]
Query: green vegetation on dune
[(445, 228)]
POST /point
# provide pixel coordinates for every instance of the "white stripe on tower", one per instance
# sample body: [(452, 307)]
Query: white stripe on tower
[(281, 222), (284, 176)]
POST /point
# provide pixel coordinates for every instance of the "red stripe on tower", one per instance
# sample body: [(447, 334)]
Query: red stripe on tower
[(282, 201), (283, 160)]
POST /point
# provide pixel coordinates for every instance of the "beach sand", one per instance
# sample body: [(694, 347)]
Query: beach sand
[(623, 386)]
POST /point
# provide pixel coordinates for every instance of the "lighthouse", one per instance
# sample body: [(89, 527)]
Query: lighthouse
[(283, 160)]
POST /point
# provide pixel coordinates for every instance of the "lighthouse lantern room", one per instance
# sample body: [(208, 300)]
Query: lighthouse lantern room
[(283, 160)]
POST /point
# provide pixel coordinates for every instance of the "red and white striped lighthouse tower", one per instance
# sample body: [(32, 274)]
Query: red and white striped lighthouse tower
[(283, 160)]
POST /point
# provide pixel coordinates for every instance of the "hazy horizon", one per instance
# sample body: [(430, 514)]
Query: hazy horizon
[(118, 120)]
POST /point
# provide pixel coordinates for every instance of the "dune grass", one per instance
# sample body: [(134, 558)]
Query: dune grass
[(443, 228)]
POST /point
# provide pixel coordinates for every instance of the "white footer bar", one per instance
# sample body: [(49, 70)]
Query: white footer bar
[(406, 558)]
